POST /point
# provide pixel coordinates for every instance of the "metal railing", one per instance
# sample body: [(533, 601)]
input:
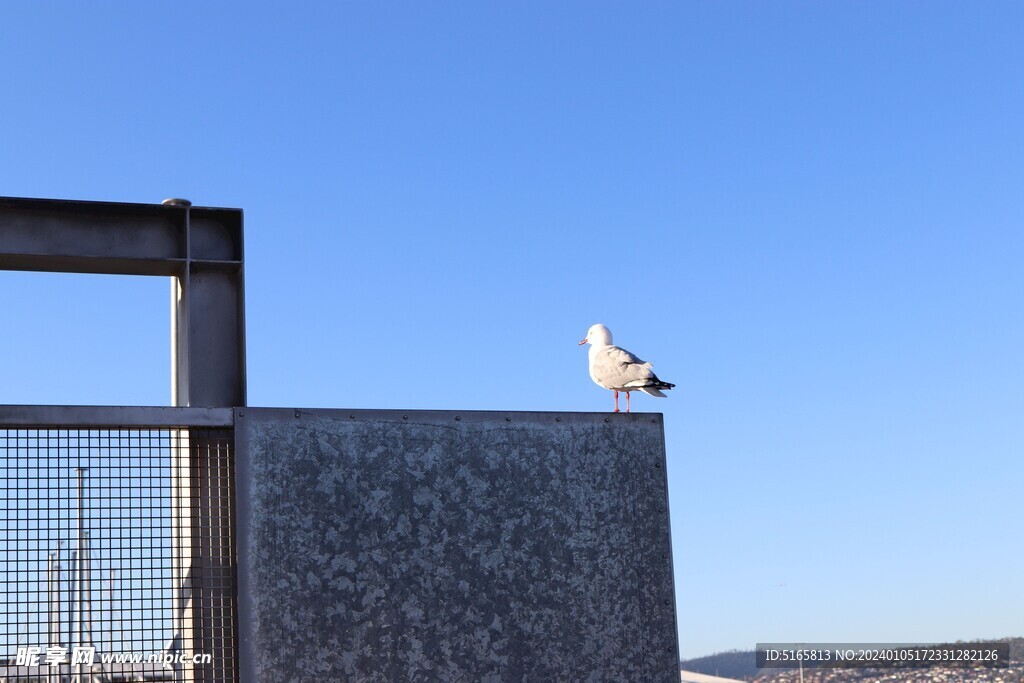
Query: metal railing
[(116, 545)]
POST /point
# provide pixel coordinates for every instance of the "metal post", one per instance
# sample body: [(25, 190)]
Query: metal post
[(71, 597), (85, 591), (184, 558), (180, 374), (81, 550), (54, 638), (51, 613), (80, 567), (53, 606)]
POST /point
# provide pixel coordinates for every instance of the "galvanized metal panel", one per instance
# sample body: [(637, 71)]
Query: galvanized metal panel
[(384, 545)]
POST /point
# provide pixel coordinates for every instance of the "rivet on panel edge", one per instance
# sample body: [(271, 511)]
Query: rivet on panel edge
[(457, 418), (508, 418), (558, 419), (405, 417)]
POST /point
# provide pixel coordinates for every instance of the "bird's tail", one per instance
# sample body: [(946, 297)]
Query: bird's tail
[(655, 387)]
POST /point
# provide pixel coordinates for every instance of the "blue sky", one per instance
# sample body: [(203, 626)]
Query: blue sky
[(806, 214)]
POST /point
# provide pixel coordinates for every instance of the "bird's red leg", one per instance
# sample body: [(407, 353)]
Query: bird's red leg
[(627, 401), (616, 401)]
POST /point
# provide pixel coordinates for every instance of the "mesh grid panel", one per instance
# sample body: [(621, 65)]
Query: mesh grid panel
[(116, 545)]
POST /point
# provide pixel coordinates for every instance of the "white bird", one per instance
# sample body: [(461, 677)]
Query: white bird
[(615, 368)]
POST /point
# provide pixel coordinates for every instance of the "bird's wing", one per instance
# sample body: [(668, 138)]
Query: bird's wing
[(617, 368)]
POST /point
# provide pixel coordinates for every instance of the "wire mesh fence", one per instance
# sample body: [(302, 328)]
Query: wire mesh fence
[(116, 555)]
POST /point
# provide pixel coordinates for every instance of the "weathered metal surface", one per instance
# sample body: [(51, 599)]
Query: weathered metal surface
[(426, 546)]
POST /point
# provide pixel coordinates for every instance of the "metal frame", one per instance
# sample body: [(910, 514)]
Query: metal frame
[(201, 250), (199, 247)]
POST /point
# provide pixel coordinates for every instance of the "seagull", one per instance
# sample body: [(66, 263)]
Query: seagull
[(615, 368)]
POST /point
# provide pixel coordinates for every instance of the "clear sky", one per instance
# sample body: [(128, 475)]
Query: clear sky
[(807, 215)]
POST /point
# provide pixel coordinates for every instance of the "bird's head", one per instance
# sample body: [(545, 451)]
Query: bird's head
[(598, 335)]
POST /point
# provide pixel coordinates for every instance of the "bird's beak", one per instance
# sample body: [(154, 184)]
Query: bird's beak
[(582, 342)]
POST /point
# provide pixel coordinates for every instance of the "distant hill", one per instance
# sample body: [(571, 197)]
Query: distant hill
[(742, 664), (729, 664)]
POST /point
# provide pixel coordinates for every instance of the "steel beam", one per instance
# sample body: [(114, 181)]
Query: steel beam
[(199, 247), (112, 417)]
